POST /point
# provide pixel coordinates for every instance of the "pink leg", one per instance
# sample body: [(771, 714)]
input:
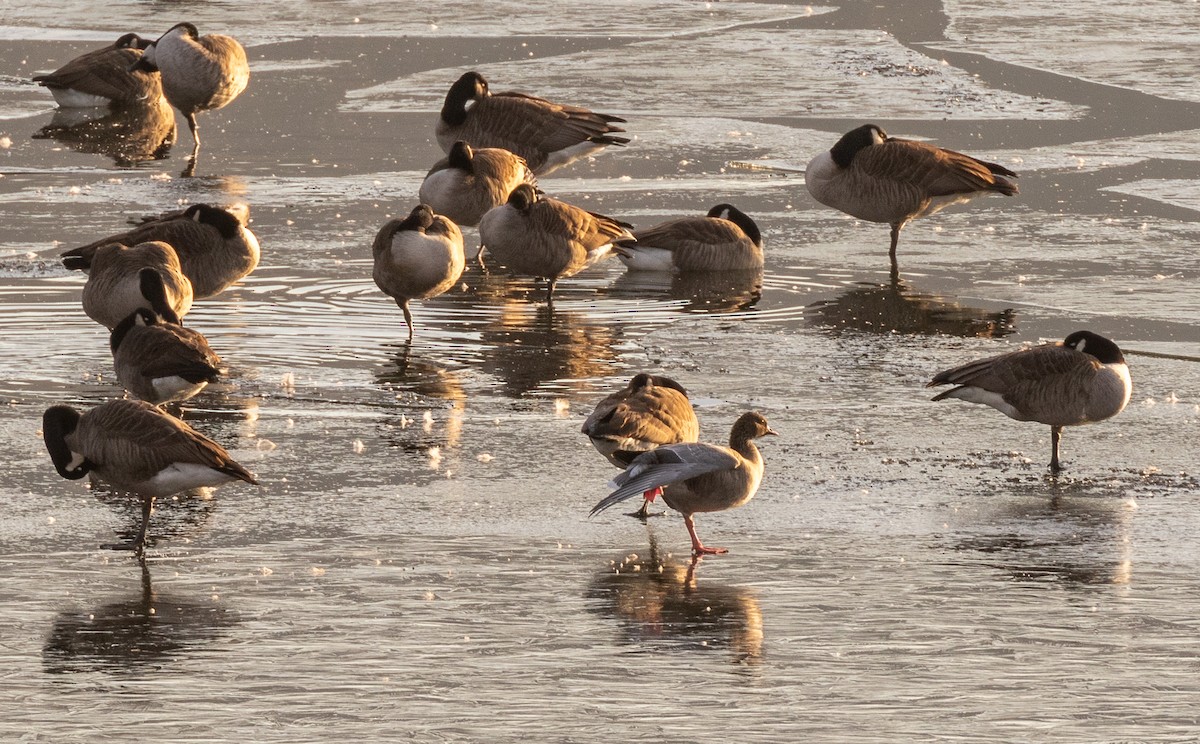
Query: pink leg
[(653, 493), (698, 547)]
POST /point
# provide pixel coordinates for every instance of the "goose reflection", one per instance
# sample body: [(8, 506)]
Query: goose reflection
[(1077, 537), (896, 308), (419, 424), (146, 629), (656, 598), (526, 346), (702, 292), (128, 134)]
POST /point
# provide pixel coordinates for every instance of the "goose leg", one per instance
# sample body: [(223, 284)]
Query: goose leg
[(895, 240), (648, 497), (407, 318), (138, 545), (698, 547), (1055, 436), (479, 258), (550, 291), (190, 170)]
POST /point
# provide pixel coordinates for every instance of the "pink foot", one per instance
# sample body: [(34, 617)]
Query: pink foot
[(702, 550), (653, 493)]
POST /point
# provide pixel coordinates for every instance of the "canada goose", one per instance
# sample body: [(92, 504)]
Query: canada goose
[(1079, 380), (214, 246), (649, 412), (418, 257), (698, 477), (547, 135), (723, 240), (878, 178), (158, 360), (467, 183), (120, 278), (543, 237), (198, 72), (103, 77), (134, 446)]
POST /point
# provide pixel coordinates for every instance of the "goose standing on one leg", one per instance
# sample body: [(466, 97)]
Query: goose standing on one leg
[(418, 257), (649, 412), (878, 178), (543, 237), (103, 77), (1080, 380), (120, 280), (467, 183), (214, 246), (199, 73), (698, 477), (726, 239), (134, 446), (547, 135)]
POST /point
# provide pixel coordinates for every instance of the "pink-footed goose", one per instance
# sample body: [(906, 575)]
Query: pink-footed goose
[(1079, 380), (649, 412), (698, 477)]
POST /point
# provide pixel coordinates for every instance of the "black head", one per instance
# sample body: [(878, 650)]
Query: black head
[(131, 41), (154, 289), (468, 88), (58, 423), (188, 28), (522, 197), (224, 222), (739, 218), (139, 317), (460, 156), (419, 219), (856, 139), (1098, 346)]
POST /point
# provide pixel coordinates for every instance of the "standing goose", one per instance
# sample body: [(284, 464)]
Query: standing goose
[(418, 257), (467, 183), (214, 246), (878, 178), (1079, 380), (543, 237), (547, 135), (723, 240), (649, 412), (132, 445), (123, 279), (698, 477), (198, 72), (103, 77), (158, 360)]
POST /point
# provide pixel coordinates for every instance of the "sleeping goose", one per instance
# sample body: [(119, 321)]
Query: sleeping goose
[(198, 72), (120, 278), (134, 446), (159, 361), (543, 237), (878, 178), (1079, 380), (698, 477), (214, 246), (467, 183), (103, 77), (649, 412), (547, 135), (723, 240), (418, 257)]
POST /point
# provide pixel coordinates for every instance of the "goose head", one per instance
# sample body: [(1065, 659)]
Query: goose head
[(468, 89), (856, 139), (460, 156), (1105, 351), (139, 317), (224, 221), (643, 379), (58, 423), (419, 219), (739, 218), (522, 197), (751, 425)]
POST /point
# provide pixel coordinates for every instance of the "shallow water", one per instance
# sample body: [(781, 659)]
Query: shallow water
[(418, 564)]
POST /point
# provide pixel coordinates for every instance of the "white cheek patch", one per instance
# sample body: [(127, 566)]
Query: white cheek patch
[(469, 105), (76, 461)]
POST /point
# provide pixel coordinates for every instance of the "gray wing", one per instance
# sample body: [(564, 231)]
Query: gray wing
[(667, 465)]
